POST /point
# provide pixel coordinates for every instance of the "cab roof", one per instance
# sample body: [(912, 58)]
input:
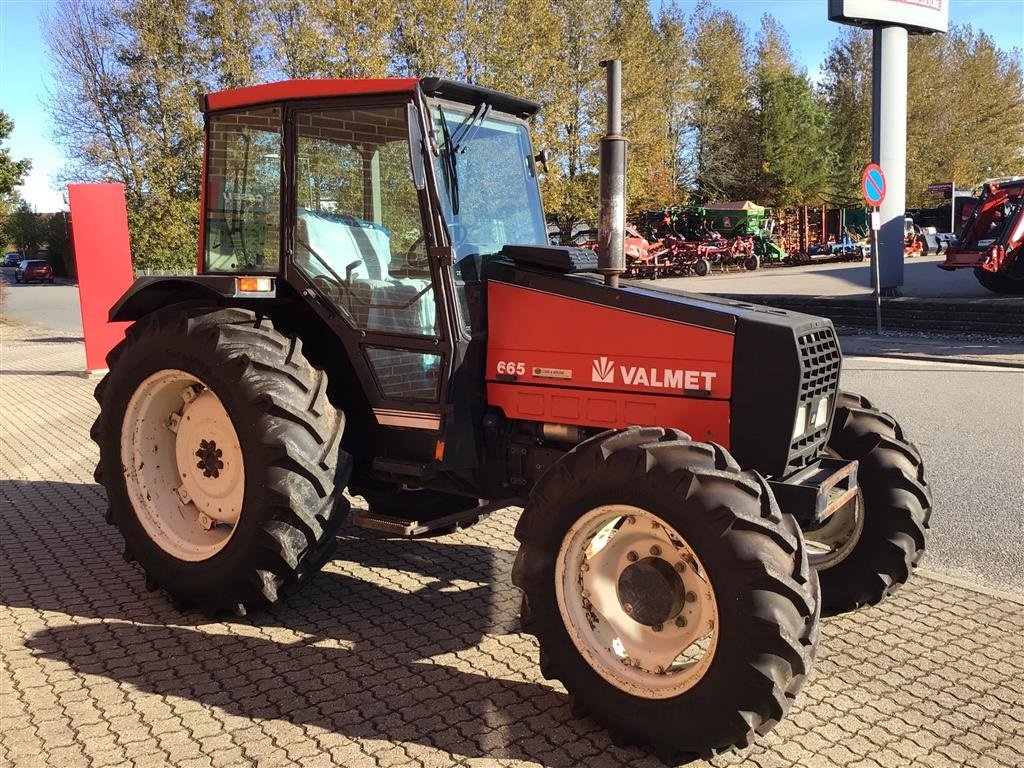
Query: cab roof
[(290, 90)]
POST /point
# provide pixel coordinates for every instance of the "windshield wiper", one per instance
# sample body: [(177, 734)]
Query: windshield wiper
[(451, 175), (455, 144)]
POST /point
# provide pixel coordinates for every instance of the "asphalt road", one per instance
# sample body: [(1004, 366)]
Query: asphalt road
[(41, 304), (968, 421), (922, 278)]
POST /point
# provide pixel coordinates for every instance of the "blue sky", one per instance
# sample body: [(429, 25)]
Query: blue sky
[(24, 75)]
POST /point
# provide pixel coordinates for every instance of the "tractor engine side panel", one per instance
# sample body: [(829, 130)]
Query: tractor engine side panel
[(563, 360)]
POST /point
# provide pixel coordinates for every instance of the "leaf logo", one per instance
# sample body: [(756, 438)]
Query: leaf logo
[(603, 371)]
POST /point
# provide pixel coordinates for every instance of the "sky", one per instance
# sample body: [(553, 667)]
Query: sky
[(25, 77)]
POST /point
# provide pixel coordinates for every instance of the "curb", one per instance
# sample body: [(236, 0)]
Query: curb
[(938, 359), (971, 586)]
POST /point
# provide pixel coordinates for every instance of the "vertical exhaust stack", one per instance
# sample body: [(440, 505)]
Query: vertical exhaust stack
[(611, 234)]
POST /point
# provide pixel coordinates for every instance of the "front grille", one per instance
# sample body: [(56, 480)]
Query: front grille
[(819, 377)]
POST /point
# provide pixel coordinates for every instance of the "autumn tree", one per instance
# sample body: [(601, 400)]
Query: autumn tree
[(965, 112)]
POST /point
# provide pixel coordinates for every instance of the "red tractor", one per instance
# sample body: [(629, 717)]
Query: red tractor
[(992, 239), (378, 310)]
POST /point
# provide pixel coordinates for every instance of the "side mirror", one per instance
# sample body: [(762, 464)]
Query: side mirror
[(541, 159)]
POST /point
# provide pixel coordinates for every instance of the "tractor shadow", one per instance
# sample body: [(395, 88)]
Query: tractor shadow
[(405, 641)]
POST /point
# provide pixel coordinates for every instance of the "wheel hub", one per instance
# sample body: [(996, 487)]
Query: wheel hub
[(651, 592), (209, 458)]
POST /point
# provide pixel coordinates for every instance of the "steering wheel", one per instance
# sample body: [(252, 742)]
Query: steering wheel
[(414, 260), (327, 286)]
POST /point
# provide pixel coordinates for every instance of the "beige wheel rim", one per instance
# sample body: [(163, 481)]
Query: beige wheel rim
[(182, 464), (636, 601)]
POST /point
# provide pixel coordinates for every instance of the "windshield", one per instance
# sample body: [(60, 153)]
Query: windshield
[(488, 180)]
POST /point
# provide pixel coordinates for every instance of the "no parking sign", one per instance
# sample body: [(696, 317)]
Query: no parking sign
[(872, 187)]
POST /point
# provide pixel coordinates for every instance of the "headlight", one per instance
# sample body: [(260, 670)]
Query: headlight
[(800, 425), (821, 413)]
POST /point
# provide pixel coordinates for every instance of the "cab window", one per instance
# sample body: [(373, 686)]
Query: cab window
[(358, 230), (243, 192)]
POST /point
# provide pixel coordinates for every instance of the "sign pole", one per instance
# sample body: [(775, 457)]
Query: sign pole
[(873, 188), (875, 259), (952, 207)]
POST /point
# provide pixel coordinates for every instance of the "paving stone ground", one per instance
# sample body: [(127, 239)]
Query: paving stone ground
[(400, 653)]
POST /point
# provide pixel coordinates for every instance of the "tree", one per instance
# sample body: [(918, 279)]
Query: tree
[(634, 39), (124, 107), (792, 155), (719, 131), (965, 112), (12, 172), (675, 91), (22, 228), (846, 88)]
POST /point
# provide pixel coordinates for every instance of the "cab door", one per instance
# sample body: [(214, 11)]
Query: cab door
[(358, 238)]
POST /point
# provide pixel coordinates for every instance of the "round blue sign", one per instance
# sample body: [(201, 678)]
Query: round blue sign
[(872, 185)]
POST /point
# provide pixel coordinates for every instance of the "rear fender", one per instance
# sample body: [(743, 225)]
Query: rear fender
[(148, 294)]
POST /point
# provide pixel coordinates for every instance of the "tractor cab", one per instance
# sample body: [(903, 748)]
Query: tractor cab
[(370, 203)]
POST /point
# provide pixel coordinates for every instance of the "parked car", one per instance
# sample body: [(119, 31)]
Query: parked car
[(12, 259), (33, 269)]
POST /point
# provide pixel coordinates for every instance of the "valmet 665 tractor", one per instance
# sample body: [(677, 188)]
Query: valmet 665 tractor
[(378, 310)]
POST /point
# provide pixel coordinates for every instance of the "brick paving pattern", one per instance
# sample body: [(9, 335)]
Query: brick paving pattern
[(401, 653)]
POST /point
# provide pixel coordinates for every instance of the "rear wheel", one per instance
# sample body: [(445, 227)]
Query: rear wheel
[(220, 455), (867, 549), (667, 592), (997, 282), (752, 262), (701, 267)]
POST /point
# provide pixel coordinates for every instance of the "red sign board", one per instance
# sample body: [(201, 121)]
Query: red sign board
[(872, 185), (99, 231)]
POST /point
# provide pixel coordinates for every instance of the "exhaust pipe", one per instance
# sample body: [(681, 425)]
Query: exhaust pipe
[(611, 233)]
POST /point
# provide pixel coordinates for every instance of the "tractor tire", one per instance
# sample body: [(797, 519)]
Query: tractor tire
[(701, 267), (422, 504), (733, 593), (752, 262), (997, 282), (255, 515), (870, 547)]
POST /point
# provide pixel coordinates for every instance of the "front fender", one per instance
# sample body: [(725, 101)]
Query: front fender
[(148, 294)]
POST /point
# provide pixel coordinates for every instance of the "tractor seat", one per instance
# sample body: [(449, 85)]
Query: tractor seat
[(329, 243)]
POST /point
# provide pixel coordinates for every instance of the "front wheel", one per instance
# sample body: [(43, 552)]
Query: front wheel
[(997, 282), (219, 451), (752, 262), (667, 592), (867, 549), (701, 267)]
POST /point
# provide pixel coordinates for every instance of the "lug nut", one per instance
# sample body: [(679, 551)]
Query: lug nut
[(631, 520), (691, 596), (632, 557), (656, 550), (680, 621), (680, 567)]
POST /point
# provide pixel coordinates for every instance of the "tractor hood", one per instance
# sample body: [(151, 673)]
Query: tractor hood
[(776, 367)]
